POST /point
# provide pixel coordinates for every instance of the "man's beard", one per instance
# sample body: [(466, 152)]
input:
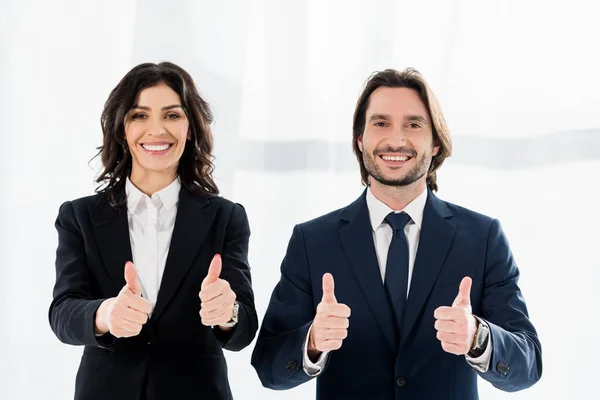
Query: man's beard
[(420, 168)]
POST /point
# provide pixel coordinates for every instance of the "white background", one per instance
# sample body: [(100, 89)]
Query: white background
[(518, 82)]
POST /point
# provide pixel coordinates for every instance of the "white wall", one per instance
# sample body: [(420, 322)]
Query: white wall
[(517, 80)]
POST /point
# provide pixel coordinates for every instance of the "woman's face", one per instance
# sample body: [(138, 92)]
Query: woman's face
[(156, 130)]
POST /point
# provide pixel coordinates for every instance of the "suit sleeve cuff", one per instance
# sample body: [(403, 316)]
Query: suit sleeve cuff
[(107, 340), (312, 369)]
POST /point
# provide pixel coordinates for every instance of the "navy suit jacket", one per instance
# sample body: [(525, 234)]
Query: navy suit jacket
[(454, 243), (174, 356)]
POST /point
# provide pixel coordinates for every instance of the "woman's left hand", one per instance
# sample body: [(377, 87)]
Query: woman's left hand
[(217, 298)]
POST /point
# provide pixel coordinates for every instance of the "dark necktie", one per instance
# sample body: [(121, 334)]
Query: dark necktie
[(396, 270)]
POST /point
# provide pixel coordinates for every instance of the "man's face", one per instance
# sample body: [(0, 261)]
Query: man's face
[(397, 142)]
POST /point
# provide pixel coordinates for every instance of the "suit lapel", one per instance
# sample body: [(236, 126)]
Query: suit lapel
[(194, 218), (437, 233), (357, 241), (112, 235)]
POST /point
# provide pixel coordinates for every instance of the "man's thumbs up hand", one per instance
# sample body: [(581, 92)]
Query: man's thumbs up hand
[(456, 326), (330, 326)]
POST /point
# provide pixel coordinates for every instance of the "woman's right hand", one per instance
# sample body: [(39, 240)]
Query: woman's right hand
[(124, 315)]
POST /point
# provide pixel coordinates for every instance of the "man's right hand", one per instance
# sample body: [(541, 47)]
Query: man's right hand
[(330, 326), (124, 315)]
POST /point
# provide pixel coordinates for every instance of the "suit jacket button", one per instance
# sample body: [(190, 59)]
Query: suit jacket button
[(400, 381), (502, 367), (292, 365)]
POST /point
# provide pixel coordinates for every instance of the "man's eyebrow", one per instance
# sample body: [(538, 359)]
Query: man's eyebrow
[(385, 117), (416, 118)]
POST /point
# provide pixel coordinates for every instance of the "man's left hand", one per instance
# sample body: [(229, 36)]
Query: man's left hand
[(456, 325)]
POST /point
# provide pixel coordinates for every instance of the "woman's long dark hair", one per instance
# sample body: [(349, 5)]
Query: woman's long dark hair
[(195, 166)]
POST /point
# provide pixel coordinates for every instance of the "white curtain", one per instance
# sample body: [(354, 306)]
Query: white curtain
[(518, 82)]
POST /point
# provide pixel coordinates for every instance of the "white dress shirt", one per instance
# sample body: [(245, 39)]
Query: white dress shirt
[(151, 222), (382, 237)]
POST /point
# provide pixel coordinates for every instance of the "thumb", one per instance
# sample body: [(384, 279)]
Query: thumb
[(131, 279), (328, 288), (464, 293), (214, 270)]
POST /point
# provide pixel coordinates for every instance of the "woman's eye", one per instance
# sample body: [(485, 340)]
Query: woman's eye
[(138, 116), (172, 116)]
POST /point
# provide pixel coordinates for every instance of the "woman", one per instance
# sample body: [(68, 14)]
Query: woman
[(152, 272)]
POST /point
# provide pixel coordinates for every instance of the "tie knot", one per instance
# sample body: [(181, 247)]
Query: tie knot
[(397, 220)]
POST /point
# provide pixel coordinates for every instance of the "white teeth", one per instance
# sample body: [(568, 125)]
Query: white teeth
[(157, 147), (395, 158)]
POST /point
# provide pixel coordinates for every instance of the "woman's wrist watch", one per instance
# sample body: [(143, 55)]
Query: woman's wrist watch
[(234, 317)]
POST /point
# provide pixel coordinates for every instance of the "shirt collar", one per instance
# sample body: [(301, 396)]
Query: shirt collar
[(378, 210), (168, 196)]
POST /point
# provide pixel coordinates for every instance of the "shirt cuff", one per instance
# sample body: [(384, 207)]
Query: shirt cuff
[(482, 363), (312, 369)]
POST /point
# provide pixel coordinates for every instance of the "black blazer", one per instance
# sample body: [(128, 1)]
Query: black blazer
[(174, 356)]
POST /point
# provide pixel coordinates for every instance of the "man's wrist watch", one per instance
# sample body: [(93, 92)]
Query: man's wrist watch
[(234, 317), (480, 340)]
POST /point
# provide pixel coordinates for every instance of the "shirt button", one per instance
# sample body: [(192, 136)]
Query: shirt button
[(400, 381)]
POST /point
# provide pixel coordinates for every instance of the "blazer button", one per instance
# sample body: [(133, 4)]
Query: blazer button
[(292, 365), (502, 368), (400, 381)]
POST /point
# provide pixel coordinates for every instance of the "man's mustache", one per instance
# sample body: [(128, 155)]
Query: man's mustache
[(405, 151)]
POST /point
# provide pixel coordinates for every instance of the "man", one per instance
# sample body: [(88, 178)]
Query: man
[(399, 295)]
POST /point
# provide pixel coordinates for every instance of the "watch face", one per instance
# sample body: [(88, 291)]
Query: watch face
[(236, 309), (482, 336)]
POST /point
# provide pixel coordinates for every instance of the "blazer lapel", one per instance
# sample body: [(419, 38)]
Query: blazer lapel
[(437, 233), (112, 235), (357, 241), (194, 218)]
